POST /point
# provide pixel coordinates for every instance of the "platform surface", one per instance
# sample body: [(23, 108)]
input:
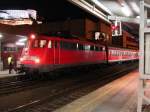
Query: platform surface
[(5, 73), (117, 96)]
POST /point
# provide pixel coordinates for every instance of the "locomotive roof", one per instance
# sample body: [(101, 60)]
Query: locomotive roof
[(61, 34), (67, 36)]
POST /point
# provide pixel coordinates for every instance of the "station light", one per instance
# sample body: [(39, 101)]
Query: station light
[(113, 27), (138, 17), (22, 40), (1, 35), (20, 43)]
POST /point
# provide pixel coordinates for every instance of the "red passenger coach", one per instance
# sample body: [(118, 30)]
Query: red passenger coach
[(120, 54), (46, 53)]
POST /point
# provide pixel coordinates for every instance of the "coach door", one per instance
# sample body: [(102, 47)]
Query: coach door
[(56, 52)]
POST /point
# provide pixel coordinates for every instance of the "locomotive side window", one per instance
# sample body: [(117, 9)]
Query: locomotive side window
[(68, 45), (87, 47), (77, 45), (100, 48), (50, 44), (42, 43), (96, 48), (73, 46), (55, 44), (92, 48), (80, 47)]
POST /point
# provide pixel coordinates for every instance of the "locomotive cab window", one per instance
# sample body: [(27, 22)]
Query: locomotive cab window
[(39, 43)]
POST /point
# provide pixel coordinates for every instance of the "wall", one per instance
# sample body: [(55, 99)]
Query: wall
[(129, 41), (90, 28)]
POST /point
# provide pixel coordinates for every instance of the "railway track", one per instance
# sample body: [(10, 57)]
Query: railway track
[(62, 94), (25, 82)]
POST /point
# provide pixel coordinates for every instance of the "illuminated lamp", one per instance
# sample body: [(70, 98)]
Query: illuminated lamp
[(113, 27), (32, 36), (22, 40), (21, 59), (37, 60), (1, 36), (26, 49), (20, 44)]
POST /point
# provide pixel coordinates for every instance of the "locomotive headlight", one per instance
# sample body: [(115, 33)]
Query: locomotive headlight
[(21, 59), (32, 36), (37, 60)]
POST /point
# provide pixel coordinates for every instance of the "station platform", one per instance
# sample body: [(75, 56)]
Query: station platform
[(117, 96), (5, 74)]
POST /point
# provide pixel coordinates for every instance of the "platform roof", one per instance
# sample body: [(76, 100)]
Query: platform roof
[(62, 9)]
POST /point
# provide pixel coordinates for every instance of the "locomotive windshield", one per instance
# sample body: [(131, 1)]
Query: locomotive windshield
[(39, 43)]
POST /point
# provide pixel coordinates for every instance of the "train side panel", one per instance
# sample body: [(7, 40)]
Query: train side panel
[(119, 54)]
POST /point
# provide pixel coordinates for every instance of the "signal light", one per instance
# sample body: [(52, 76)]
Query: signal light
[(113, 27)]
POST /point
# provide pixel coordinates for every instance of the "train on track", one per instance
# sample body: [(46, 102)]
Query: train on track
[(44, 53)]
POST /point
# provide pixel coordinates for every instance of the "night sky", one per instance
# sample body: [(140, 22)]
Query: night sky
[(48, 10)]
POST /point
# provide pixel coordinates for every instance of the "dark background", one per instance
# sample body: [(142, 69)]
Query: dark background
[(48, 10)]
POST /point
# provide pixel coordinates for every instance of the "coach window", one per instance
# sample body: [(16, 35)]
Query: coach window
[(116, 53), (123, 53), (50, 44), (112, 52)]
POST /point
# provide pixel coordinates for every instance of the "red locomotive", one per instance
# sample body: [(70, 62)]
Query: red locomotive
[(45, 53)]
